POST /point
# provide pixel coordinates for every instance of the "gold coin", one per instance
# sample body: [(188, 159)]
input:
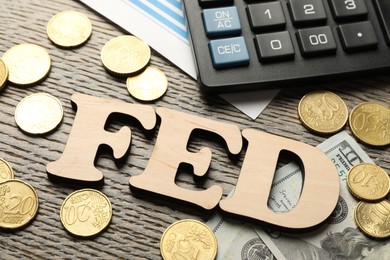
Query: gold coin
[(27, 64), (125, 55), (3, 74), (188, 239), (38, 113), (368, 182), (370, 123), (323, 112), (86, 212), (18, 204), (69, 29), (373, 218), (6, 172), (150, 85)]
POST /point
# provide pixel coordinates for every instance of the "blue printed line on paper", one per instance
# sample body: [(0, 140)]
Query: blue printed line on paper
[(179, 27), (176, 3)]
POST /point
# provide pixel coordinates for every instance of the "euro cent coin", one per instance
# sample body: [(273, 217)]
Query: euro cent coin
[(368, 182), (323, 112), (373, 218), (370, 122), (125, 55), (188, 239), (27, 64), (69, 29), (18, 204), (6, 172), (38, 113), (150, 85), (86, 213), (3, 74)]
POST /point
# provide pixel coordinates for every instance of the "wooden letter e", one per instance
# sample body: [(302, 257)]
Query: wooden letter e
[(171, 150)]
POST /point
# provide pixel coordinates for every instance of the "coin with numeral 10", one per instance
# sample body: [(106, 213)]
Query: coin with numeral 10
[(368, 182), (86, 212), (373, 218), (18, 204)]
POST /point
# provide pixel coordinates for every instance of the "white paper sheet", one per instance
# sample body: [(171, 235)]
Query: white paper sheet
[(161, 24)]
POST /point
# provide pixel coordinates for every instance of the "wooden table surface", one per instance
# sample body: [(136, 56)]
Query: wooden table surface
[(138, 220)]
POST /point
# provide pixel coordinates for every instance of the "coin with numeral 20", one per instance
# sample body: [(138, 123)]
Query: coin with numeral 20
[(86, 212), (18, 204)]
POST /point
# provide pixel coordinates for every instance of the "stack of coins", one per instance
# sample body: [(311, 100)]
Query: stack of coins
[(128, 56), (188, 239), (18, 199), (86, 213), (371, 184)]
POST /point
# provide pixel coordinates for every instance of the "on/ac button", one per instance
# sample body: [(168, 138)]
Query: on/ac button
[(221, 21)]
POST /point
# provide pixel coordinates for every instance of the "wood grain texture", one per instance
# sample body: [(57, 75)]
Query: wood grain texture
[(138, 219)]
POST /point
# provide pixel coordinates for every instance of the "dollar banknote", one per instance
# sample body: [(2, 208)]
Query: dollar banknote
[(235, 238), (338, 238), (239, 240)]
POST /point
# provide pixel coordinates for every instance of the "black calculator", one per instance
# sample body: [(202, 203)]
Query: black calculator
[(257, 44)]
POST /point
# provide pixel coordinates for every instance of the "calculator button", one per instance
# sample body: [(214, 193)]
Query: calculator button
[(266, 16), (348, 9), (358, 36), (274, 46), (316, 41), (383, 10), (229, 52), (209, 3), (307, 12), (221, 21)]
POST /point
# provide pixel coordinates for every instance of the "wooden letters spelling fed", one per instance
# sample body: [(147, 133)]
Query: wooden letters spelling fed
[(320, 188)]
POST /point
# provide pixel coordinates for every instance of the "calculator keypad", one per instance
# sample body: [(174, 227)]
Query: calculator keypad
[(305, 38)]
